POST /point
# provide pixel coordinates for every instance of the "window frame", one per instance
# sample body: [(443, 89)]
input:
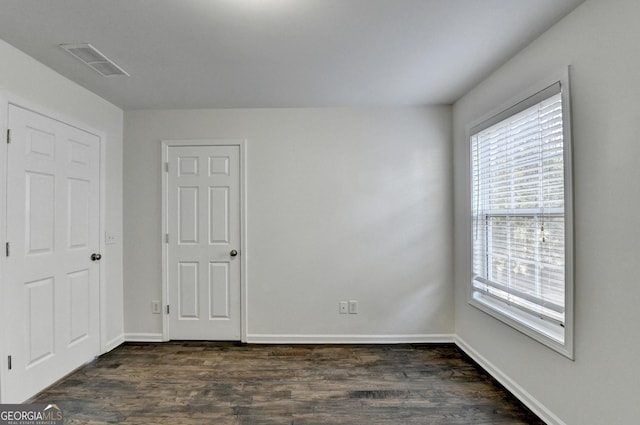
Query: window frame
[(540, 330)]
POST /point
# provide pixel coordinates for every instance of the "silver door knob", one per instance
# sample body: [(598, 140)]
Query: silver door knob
[(233, 253), (96, 257)]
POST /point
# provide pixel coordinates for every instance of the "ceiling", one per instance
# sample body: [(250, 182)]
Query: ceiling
[(280, 53)]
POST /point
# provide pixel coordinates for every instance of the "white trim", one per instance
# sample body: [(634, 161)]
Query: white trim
[(242, 145), (112, 344), (102, 242), (569, 244), (515, 320), (143, 337), (4, 308), (244, 287), (520, 393), (349, 339)]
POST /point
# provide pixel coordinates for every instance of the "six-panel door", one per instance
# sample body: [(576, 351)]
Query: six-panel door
[(203, 267), (53, 196)]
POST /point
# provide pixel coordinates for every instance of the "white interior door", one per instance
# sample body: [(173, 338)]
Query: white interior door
[(53, 198), (203, 253)]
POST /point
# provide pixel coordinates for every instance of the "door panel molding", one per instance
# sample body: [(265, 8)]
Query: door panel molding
[(216, 166)]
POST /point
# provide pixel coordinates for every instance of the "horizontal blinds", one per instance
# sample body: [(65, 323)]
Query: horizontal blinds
[(518, 207)]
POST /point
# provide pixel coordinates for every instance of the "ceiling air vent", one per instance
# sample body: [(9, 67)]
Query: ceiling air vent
[(93, 58)]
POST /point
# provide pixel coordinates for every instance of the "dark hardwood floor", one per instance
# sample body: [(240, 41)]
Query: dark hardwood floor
[(224, 383)]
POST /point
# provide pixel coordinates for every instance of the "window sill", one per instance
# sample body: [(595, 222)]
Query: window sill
[(549, 334)]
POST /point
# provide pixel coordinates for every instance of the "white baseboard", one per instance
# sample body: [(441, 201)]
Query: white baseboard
[(115, 342), (143, 337), (520, 393), (348, 339)]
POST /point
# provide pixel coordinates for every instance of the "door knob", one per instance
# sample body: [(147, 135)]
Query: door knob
[(96, 257), (233, 253)]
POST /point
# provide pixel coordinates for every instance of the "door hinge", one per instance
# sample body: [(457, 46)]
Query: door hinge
[(8, 248), (166, 167), (166, 238), (9, 362), (8, 135), (168, 309)]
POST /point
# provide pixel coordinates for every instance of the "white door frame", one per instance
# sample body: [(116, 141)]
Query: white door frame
[(242, 145), (7, 99)]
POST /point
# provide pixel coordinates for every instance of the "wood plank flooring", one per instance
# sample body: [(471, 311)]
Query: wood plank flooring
[(226, 383)]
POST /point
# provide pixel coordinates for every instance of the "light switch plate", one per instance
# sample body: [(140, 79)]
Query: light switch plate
[(110, 238), (353, 307)]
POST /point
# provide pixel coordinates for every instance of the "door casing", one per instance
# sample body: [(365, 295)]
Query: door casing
[(242, 145)]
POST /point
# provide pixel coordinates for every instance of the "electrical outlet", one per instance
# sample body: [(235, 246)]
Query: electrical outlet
[(344, 307), (155, 307), (353, 307)]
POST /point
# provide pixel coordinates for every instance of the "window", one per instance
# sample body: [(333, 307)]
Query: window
[(521, 211)]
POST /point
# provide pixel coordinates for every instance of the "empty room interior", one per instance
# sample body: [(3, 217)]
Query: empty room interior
[(359, 193)]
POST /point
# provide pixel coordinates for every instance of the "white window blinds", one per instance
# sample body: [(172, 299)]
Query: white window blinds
[(518, 207)]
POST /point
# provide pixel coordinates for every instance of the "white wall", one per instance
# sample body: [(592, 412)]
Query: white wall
[(23, 77), (600, 42), (342, 204)]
